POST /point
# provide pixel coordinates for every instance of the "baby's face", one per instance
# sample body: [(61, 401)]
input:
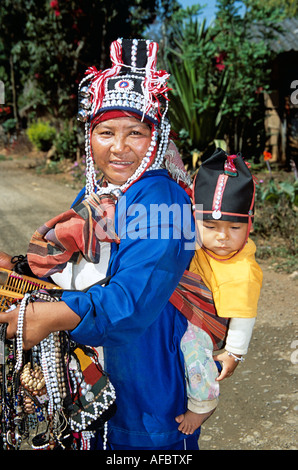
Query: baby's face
[(222, 237)]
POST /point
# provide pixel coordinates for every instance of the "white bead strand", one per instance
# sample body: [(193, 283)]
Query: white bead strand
[(19, 335)]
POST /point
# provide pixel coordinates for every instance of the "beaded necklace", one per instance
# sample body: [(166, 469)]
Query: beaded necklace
[(34, 392), (39, 388)]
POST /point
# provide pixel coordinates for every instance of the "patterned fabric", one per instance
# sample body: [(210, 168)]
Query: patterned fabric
[(176, 168), (73, 234), (201, 370), (195, 302)]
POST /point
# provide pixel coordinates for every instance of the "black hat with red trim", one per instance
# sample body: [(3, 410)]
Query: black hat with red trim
[(225, 189)]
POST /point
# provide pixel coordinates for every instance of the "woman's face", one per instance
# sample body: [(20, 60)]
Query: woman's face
[(119, 146)]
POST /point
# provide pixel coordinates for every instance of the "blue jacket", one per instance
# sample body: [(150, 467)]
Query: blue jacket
[(132, 318)]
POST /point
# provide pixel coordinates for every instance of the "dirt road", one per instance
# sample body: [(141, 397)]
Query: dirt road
[(258, 407), (27, 201)]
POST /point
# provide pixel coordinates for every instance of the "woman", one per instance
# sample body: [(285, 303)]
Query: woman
[(127, 135)]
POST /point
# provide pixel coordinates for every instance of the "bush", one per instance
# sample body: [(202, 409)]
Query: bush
[(41, 134), (9, 125), (276, 219), (66, 143)]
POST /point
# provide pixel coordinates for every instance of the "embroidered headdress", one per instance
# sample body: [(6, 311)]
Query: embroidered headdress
[(132, 85), (225, 188)]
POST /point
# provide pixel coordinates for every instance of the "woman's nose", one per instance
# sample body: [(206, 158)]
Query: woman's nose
[(119, 144)]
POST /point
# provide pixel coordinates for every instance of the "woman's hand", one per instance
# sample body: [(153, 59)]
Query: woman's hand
[(41, 319), (5, 261)]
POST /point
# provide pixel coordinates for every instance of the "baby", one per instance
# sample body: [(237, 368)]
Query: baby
[(225, 259)]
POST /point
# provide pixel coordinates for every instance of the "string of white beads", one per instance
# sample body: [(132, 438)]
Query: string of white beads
[(19, 334)]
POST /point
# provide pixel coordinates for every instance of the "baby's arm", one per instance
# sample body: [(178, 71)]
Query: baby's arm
[(238, 339)]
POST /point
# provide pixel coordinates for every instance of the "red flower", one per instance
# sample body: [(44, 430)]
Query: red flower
[(259, 90), (220, 67), (267, 156), (219, 64), (78, 12), (54, 4)]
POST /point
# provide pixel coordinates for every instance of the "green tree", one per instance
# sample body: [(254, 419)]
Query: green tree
[(199, 83), (219, 73), (12, 29), (288, 7), (49, 44), (245, 32)]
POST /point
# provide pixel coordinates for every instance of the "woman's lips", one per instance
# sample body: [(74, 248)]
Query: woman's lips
[(120, 163)]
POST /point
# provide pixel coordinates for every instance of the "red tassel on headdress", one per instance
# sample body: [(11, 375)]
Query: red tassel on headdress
[(155, 81), (229, 166), (100, 77)]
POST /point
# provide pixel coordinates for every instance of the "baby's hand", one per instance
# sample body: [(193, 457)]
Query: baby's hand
[(228, 365)]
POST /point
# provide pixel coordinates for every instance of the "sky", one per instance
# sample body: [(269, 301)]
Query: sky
[(209, 10)]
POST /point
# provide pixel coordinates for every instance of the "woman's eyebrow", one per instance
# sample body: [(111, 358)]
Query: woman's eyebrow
[(129, 126)]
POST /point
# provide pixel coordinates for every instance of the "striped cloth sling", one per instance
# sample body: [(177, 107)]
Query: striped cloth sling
[(75, 233), (194, 300)]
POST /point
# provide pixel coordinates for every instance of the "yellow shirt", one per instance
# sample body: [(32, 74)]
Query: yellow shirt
[(235, 283)]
